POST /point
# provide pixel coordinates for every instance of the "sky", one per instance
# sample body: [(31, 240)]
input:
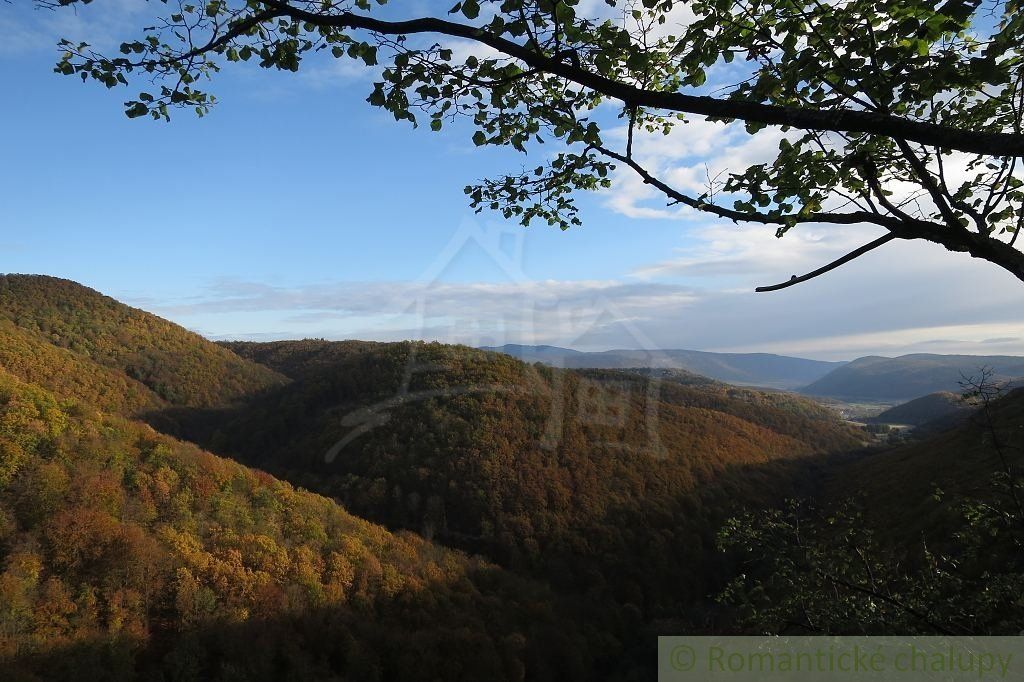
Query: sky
[(297, 210)]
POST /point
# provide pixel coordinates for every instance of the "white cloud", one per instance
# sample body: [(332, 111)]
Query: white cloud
[(749, 252), (907, 298), (104, 25), (473, 313), (695, 153)]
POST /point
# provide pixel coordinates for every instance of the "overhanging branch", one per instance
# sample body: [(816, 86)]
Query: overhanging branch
[(851, 218), (995, 144), (856, 253)]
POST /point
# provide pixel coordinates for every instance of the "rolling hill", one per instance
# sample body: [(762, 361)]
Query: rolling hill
[(910, 376), (129, 555), (931, 408), (178, 367), (535, 522), (601, 481), (596, 494), (749, 369)]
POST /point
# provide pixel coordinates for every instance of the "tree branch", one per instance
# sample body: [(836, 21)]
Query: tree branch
[(856, 253), (852, 218), (842, 120)]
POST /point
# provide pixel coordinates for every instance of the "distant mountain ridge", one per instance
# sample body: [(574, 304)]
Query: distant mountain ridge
[(747, 369), (911, 376)]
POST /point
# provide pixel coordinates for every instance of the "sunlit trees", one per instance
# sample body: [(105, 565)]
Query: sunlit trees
[(128, 554)]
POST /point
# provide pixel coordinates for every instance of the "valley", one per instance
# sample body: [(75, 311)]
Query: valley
[(163, 498)]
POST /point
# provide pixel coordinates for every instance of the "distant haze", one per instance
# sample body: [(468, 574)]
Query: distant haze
[(751, 369), (868, 378)]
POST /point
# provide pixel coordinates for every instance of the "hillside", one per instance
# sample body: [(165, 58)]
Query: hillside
[(750, 369), (34, 359), (300, 359), (784, 413), (934, 407), (179, 367), (591, 499), (898, 484), (923, 538), (129, 555), (910, 376), (605, 483)]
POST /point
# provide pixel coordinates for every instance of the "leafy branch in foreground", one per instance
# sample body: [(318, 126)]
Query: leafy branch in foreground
[(905, 116)]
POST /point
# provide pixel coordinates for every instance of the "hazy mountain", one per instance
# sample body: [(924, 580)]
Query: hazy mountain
[(910, 376), (934, 407), (749, 369)]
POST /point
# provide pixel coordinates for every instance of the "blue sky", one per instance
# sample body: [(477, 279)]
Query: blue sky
[(295, 209)]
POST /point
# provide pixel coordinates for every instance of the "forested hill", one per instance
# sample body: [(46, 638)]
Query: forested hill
[(179, 367), (923, 538), (303, 358), (607, 483), (898, 485), (935, 408), (911, 376), (593, 499), (129, 555)]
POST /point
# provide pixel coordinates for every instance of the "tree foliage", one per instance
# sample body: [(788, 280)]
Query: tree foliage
[(128, 555), (931, 545), (606, 483), (156, 362), (901, 115)]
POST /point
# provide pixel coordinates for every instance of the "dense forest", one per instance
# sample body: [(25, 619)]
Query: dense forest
[(126, 551), (180, 367), (606, 482), (471, 516)]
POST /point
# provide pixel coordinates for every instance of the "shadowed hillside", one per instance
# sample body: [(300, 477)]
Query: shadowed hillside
[(925, 538), (300, 359), (899, 484), (935, 407), (605, 482)]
